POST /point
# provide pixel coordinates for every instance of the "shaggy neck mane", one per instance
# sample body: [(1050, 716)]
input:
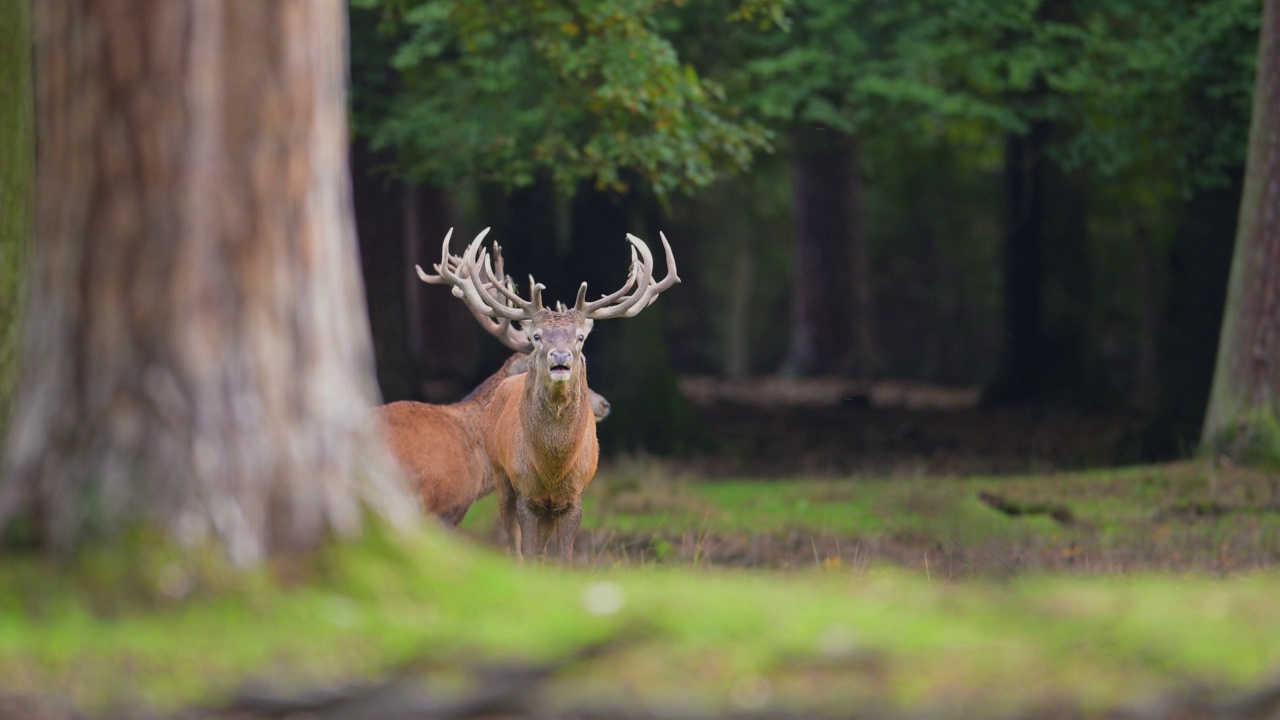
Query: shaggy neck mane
[(553, 413)]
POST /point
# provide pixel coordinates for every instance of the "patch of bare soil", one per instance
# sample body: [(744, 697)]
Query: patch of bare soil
[(771, 427)]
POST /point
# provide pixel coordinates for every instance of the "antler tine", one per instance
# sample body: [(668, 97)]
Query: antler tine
[(456, 272), (646, 291), (468, 285), (535, 291), (445, 258), (509, 299), (642, 273), (581, 305)]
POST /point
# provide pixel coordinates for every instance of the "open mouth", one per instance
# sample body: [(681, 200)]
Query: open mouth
[(560, 372)]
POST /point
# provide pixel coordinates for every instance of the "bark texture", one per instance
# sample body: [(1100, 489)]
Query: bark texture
[(17, 175), (1247, 372), (832, 323), (197, 354)]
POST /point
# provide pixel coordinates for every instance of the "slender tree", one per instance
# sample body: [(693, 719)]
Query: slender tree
[(196, 355), (832, 328), (16, 176), (1243, 402)]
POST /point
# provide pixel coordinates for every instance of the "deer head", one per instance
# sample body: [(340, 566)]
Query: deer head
[(553, 338)]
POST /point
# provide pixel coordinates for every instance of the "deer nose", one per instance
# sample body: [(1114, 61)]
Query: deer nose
[(559, 357), (605, 406)]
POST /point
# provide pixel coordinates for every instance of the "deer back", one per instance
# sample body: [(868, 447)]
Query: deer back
[(439, 449)]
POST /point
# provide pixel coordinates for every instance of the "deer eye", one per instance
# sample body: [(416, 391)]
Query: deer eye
[(537, 337), (581, 338)]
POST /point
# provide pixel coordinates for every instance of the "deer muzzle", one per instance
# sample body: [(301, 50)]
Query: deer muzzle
[(559, 364)]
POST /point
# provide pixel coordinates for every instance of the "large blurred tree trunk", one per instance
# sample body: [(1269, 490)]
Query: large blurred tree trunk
[(196, 355), (17, 146), (832, 322), (1243, 403)]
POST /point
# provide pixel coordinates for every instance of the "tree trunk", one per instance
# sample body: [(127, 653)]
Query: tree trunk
[(1243, 401), (1199, 263), (1018, 376), (17, 146), (737, 349), (197, 356), (1147, 387), (832, 324), (442, 334), (380, 225)]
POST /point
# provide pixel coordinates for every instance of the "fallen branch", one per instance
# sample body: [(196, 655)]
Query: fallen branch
[(1060, 513)]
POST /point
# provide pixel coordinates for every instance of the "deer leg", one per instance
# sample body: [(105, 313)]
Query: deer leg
[(507, 512), (529, 527), (567, 532), (546, 529)]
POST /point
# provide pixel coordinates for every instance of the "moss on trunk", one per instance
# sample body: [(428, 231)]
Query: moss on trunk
[(17, 145)]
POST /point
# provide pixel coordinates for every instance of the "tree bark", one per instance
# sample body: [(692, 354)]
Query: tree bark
[(17, 175), (832, 323), (1243, 401), (197, 355)]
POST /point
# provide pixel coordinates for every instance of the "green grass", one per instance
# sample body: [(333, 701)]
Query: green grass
[(1129, 519), (865, 633)]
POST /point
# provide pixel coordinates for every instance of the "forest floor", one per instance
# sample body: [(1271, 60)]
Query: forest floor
[(901, 589), (1180, 517), (835, 473)]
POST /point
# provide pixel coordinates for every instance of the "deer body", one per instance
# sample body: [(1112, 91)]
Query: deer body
[(440, 448), (538, 433), (541, 440)]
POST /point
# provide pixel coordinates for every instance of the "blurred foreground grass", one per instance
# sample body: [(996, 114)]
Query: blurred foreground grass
[(880, 637), (840, 635)]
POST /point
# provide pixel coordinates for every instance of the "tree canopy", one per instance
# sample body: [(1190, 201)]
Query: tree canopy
[(585, 90)]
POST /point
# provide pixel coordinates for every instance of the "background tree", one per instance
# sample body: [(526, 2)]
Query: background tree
[(16, 179), (1242, 415), (197, 355)]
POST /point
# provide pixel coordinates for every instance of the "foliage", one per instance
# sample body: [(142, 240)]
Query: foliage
[(583, 89), (1113, 71)]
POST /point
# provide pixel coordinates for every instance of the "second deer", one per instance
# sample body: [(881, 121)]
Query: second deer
[(538, 429)]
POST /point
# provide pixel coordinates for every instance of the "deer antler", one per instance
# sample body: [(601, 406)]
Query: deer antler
[(454, 272), (640, 276)]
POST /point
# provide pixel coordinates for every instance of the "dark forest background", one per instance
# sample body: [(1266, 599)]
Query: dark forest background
[(1036, 199)]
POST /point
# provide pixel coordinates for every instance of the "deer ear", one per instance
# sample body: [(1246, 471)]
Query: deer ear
[(586, 326)]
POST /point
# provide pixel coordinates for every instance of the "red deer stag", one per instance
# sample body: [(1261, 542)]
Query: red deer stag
[(440, 447), (537, 429)]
